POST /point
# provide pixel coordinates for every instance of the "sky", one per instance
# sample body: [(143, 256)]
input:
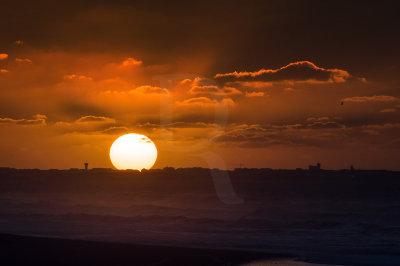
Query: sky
[(277, 84)]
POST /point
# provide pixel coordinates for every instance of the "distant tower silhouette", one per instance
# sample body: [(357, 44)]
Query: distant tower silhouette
[(86, 166), (316, 167)]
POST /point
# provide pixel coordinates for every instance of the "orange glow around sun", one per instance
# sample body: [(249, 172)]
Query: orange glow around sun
[(133, 151)]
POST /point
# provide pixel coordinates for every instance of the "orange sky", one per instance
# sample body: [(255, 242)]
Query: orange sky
[(66, 96)]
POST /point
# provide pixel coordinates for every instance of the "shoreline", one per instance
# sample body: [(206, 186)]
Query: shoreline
[(32, 250)]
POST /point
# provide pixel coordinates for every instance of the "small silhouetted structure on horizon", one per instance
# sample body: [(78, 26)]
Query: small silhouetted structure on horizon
[(86, 166), (316, 167), (351, 168)]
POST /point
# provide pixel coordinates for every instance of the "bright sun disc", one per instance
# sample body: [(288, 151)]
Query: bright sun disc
[(133, 151)]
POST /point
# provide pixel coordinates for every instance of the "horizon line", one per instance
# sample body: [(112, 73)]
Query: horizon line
[(169, 168)]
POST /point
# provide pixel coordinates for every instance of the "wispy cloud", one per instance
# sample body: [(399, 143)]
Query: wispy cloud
[(146, 89), (297, 71), (3, 56), (77, 77), (37, 120), (254, 94), (131, 62), (23, 60), (388, 110), (374, 98), (205, 102), (95, 119)]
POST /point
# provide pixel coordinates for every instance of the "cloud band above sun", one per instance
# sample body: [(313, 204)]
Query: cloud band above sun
[(87, 100)]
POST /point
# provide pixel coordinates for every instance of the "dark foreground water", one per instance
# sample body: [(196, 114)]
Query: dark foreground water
[(329, 217)]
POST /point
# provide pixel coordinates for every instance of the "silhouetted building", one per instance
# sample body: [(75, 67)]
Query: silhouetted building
[(316, 167), (86, 166), (351, 168)]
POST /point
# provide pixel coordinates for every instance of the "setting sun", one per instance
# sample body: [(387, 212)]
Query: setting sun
[(261, 132), (133, 151)]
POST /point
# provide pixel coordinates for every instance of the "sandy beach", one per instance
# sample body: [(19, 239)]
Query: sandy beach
[(28, 250)]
